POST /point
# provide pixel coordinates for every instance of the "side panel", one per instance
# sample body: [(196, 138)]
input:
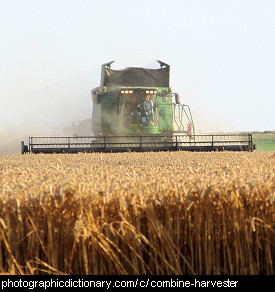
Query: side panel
[(109, 114), (165, 113), (96, 118), (96, 113)]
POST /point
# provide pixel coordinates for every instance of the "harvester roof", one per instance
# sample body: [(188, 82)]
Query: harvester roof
[(136, 76)]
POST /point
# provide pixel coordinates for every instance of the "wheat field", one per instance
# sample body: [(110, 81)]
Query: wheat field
[(138, 213)]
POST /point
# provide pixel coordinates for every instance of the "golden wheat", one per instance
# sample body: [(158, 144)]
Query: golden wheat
[(138, 213)]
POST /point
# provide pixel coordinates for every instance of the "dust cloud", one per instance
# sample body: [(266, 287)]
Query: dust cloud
[(209, 123), (44, 110), (11, 136)]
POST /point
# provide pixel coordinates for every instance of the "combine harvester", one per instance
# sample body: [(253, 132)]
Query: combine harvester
[(134, 109)]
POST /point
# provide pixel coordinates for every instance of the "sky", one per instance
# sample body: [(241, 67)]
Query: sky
[(221, 53)]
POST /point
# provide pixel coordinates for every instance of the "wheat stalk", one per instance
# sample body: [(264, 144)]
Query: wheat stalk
[(138, 213)]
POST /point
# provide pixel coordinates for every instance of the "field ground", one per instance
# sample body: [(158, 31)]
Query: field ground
[(264, 141), (138, 213)]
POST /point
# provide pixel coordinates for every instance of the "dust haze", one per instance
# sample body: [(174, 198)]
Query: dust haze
[(48, 109), (44, 111), (209, 123)]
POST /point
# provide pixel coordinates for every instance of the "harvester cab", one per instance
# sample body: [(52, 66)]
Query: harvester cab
[(138, 101)]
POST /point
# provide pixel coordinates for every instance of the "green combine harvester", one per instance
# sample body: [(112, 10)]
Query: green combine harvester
[(134, 109)]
